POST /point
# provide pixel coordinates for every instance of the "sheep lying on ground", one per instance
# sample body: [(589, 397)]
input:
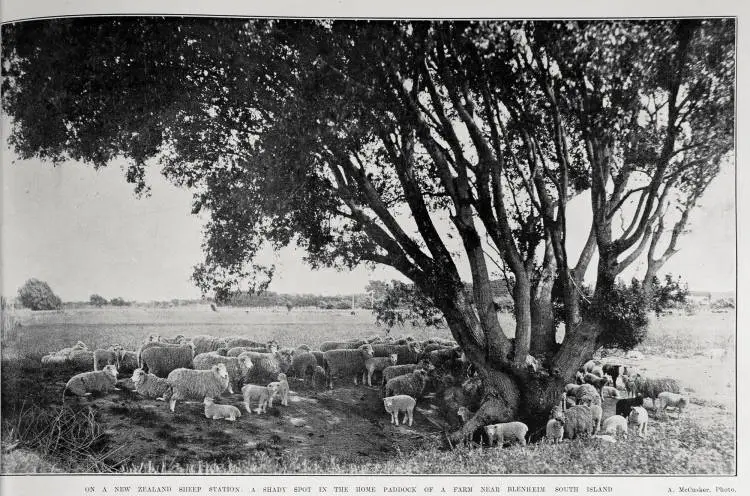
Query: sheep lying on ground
[(161, 358), (667, 399), (107, 357), (303, 365), (263, 395), (149, 386), (578, 421), (101, 381), (615, 425), (82, 359), (342, 345), (651, 388), (282, 388), (216, 412), (623, 406), (400, 403), (638, 418), (237, 367), (345, 362), (410, 384), (610, 392), (378, 364), (78, 351), (506, 432), (407, 353), (188, 384), (205, 343), (556, 425)]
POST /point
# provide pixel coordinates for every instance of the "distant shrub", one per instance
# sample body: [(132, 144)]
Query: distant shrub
[(97, 300), (37, 295), (119, 302)]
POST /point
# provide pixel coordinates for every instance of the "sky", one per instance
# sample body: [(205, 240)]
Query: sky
[(85, 231)]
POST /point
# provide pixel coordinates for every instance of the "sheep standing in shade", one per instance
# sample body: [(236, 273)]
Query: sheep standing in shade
[(400, 403), (506, 432), (267, 366), (263, 395), (161, 358), (345, 362), (556, 425), (615, 425), (578, 421), (407, 353), (149, 386), (673, 400), (186, 384), (397, 370), (638, 419), (303, 365), (282, 388), (100, 381), (238, 368), (410, 384), (588, 395), (378, 364), (216, 412), (596, 417)]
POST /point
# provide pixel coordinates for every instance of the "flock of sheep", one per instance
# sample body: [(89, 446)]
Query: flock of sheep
[(203, 367)]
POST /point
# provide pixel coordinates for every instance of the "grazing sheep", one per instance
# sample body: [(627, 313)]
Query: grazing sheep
[(651, 388), (262, 394), (127, 361), (667, 399), (578, 421), (556, 425), (100, 381), (266, 366), (319, 376), (216, 412), (237, 367), (378, 364), (342, 345), (400, 403), (106, 357), (303, 365), (588, 394), (610, 392), (596, 417), (411, 384), (205, 343), (196, 384), (623, 406), (347, 362), (615, 425), (638, 418), (149, 386), (282, 388), (397, 370), (163, 358), (506, 432), (407, 353)]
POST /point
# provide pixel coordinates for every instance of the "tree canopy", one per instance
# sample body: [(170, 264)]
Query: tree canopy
[(37, 295), (417, 145)]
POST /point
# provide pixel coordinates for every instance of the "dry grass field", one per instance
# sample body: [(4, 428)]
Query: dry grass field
[(340, 431)]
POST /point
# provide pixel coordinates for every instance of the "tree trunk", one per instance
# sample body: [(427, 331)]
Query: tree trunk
[(542, 318)]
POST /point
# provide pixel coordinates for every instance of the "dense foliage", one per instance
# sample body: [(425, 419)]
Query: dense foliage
[(37, 295)]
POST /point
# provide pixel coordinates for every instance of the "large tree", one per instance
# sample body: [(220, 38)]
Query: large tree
[(418, 145)]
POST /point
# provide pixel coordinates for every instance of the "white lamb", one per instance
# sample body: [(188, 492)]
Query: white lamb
[(615, 425), (262, 394), (216, 412), (506, 432), (638, 418), (673, 400), (282, 388), (400, 403)]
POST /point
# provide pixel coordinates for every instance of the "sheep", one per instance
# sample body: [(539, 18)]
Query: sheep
[(347, 362), (597, 381), (237, 367), (587, 394), (262, 394), (590, 365), (397, 370), (630, 386), (303, 365), (106, 357), (319, 376), (412, 384), (342, 345), (205, 343), (178, 339), (615, 425), (556, 425), (570, 389), (407, 353), (651, 388), (320, 357), (610, 392), (270, 347), (237, 341), (266, 366), (149, 386), (377, 364), (282, 388), (578, 421), (162, 359), (400, 403), (82, 359), (623, 406), (196, 384), (213, 411), (667, 399), (613, 370), (78, 354), (100, 381), (127, 361), (506, 432), (638, 418), (596, 417)]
